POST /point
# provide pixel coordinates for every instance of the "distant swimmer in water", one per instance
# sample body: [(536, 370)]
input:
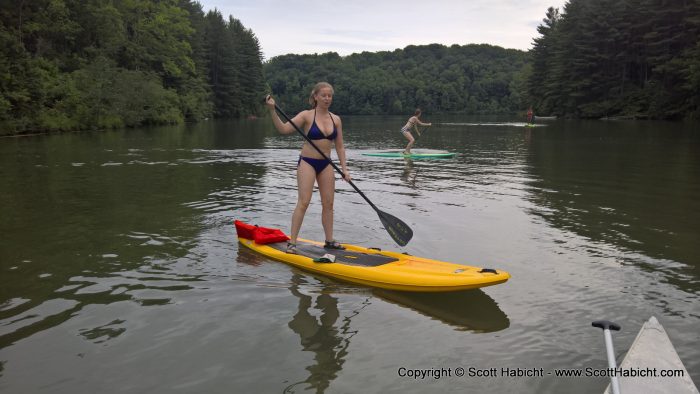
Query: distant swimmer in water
[(412, 123)]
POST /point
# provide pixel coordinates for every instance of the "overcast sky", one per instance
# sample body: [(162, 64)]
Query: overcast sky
[(352, 26)]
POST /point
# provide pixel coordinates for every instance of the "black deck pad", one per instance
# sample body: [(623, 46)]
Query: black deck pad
[(346, 257)]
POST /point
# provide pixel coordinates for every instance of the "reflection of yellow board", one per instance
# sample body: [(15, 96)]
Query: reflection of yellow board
[(387, 270), (471, 310)]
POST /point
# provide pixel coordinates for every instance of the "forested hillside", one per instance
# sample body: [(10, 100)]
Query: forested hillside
[(94, 64), (68, 64), (473, 79), (636, 58)]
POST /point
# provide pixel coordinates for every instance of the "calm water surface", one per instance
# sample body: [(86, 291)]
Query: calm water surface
[(120, 270)]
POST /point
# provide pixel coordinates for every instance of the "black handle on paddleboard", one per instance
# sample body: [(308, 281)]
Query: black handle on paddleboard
[(606, 325)]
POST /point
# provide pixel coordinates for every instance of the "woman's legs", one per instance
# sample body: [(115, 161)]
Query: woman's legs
[(306, 176), (326, 187), (411, 141)]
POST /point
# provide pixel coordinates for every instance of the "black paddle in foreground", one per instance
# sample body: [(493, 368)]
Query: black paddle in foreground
[(399, 231)]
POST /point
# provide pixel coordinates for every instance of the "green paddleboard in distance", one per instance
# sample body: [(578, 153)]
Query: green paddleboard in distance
[(413, 155)]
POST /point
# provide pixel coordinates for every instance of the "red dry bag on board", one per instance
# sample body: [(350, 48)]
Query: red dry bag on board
[(261, 235), (244, 230), (264, 235)]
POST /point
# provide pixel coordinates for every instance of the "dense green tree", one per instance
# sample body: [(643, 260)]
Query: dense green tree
[(70, 64), (539, 92), (235, 66), (631, 58)]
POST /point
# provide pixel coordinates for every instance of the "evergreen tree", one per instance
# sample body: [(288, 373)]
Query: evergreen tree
[(632, 58)]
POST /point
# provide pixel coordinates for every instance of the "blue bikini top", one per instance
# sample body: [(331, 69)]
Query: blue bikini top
[(316, 134)]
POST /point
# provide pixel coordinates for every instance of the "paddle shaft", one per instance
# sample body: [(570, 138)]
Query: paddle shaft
[(325, 157), (607, 326), (420, 132)]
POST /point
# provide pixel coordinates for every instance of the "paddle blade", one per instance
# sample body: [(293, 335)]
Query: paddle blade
[(398, 230)]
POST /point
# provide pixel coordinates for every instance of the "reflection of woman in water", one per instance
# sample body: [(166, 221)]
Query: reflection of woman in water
[(320, 336), (410, 172)]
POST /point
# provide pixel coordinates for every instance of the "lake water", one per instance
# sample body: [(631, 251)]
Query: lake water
[(120, 269)]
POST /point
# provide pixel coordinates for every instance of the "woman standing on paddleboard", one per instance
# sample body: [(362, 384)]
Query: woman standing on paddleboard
[(412, 123), (325, 130)]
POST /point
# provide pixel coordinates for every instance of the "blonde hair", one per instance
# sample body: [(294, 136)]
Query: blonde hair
[(316, 89)]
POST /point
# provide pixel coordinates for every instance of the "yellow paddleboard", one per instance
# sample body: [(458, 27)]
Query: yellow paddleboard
[(382, 269)]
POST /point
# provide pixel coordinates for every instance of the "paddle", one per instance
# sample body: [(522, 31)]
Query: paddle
[(421, 131), (607, 326), (397, 229)]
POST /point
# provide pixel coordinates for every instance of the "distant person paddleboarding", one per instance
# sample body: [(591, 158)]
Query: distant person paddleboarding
[(412, 123), (530, 115)]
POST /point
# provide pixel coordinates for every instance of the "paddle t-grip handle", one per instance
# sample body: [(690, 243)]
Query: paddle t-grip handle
[(606, 325)]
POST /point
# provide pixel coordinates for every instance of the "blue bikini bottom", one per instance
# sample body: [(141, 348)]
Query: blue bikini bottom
[(318, 164)]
